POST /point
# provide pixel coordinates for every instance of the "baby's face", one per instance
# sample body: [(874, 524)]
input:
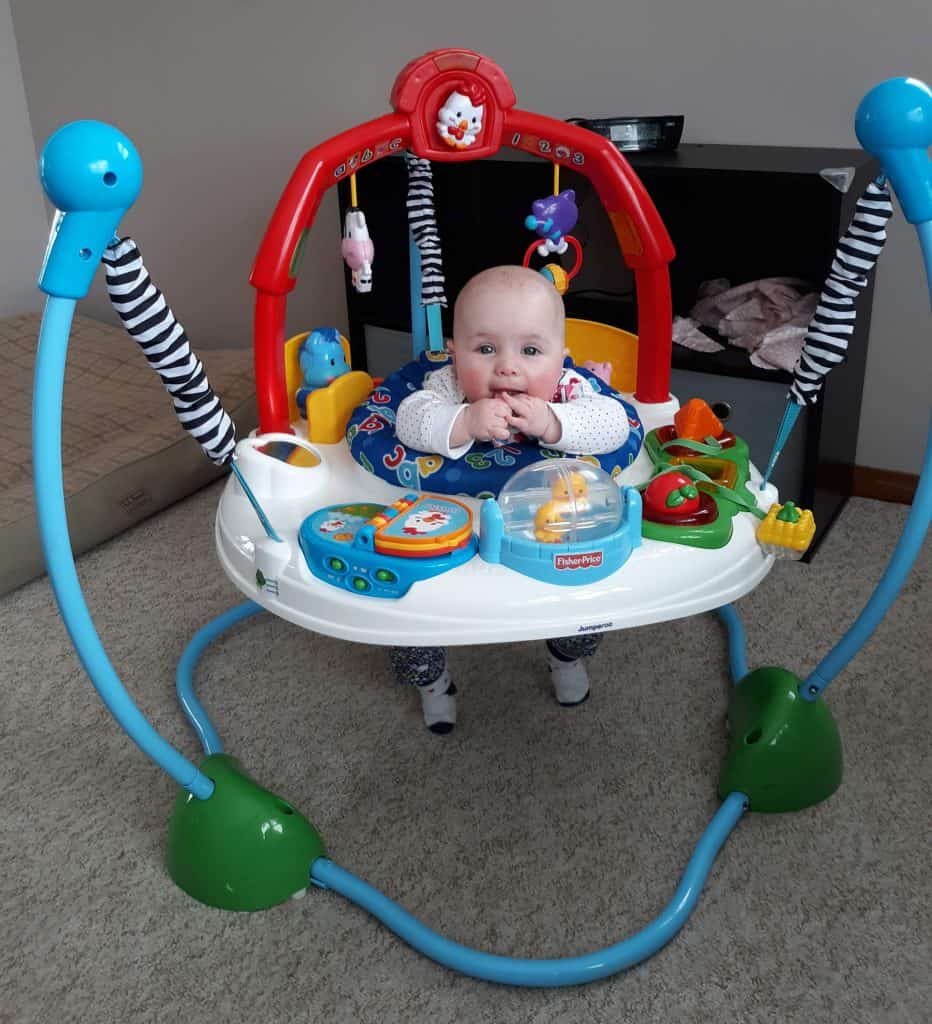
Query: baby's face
[(506, 339)]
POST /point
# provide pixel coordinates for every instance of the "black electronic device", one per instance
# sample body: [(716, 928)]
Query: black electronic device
[(637, 133)]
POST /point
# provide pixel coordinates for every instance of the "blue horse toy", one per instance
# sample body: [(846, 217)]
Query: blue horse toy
[(322, 360)]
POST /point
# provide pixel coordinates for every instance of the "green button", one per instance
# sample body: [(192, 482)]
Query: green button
[(385, 576), (360, 584), (337, 564)]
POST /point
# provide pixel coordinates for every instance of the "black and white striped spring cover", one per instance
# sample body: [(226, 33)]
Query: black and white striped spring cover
[(422, 221), (826, 342), (149, 320)]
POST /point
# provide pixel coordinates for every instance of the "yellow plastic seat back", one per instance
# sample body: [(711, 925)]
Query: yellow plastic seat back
[(587, 339)]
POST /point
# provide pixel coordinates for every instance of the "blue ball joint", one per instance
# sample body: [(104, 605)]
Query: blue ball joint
[(92, 174), (894, 123)]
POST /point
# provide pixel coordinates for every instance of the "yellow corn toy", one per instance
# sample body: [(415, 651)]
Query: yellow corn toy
[(786, 531)]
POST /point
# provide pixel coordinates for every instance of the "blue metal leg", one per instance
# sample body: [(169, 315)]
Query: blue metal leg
[(544, 973), (736, 642), (184, 677), (56, 543), (889, 586)]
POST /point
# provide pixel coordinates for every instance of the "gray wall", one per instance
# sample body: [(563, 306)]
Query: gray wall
[(223, 96), (23, 222)]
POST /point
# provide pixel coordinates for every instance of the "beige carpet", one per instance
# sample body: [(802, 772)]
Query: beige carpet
[(531, 831)]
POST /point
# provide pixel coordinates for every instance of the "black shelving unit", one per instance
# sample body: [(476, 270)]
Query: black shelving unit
[(735, 212)]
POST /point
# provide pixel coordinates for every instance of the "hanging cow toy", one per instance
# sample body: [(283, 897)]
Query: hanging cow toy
[(358, 249)]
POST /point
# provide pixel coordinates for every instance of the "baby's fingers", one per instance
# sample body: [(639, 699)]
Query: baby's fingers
[(520, 411)]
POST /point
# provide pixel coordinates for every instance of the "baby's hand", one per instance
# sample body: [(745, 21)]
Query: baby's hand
[(487, 420), (534, 417)]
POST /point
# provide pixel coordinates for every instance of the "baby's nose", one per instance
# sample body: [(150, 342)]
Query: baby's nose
[(506, 368)]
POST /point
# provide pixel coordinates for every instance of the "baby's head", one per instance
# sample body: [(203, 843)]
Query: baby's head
[(508, 334)]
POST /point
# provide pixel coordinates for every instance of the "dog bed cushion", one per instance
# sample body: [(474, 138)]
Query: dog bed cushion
[(124, 455)]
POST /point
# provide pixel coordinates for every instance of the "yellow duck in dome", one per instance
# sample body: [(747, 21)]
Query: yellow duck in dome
[(554, 518)]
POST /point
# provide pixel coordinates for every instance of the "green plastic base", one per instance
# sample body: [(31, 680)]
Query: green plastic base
[(243, 848), (784, 752)]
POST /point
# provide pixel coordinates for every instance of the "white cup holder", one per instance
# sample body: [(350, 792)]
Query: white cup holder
[(270, 477)]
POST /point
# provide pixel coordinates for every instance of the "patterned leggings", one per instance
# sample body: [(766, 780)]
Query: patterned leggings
[(421, 666)]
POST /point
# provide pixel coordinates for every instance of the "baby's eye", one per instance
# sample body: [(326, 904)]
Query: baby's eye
[(530, 350), (486, 350)]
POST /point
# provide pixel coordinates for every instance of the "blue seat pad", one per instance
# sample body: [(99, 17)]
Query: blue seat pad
[(485, 468)]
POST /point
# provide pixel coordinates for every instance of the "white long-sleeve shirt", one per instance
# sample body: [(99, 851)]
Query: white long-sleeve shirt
[(591, 424)]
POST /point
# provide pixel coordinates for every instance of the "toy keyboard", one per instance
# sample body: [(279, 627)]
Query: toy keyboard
[(381, 550)]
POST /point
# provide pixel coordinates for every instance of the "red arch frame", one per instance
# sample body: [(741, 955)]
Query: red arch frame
[(417, 95)]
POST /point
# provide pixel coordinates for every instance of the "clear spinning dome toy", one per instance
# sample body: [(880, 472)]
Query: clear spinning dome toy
[(561, 501), (561, 520)]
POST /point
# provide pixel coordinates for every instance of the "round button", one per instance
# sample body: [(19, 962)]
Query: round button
[(360, 584), (337, 564), (385, 576)]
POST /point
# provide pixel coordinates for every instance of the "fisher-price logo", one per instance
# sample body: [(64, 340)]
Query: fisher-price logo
[(583, 560)]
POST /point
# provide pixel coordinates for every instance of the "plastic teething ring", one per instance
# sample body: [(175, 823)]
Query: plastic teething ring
[(577, 248)]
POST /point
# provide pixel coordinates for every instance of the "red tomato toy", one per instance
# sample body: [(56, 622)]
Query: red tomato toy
[(671, 495)]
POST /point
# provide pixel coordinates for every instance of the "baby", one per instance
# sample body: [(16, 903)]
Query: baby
[(507, 376), (506, 381)]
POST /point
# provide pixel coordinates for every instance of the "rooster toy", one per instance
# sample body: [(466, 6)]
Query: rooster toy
[(459, 120)]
